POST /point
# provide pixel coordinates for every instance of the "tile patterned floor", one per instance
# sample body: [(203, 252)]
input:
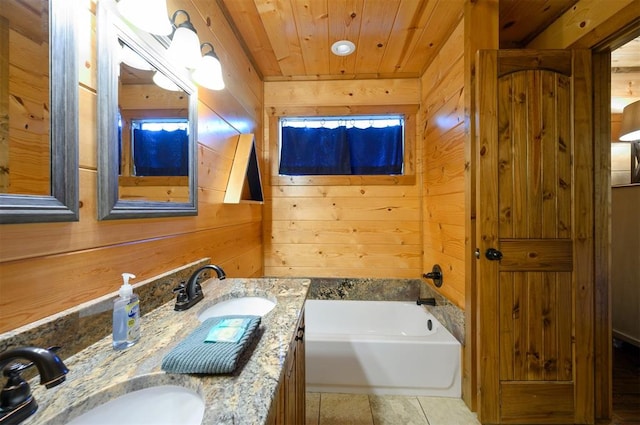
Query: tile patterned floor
[(362, 409)]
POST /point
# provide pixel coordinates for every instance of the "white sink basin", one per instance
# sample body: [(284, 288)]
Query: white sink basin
[(250, 306), (165, 404)]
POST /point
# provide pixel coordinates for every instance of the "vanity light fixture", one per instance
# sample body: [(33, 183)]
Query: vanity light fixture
[(343, 48), (184, 49), (148, 15), (209, 73), (133, 59), (164, 82), (630, 126)]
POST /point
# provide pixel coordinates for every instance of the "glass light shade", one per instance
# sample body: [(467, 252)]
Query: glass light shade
[(148, 15), (164, 82), (184, 49), (630, 126), (134, 60), (209, 73)]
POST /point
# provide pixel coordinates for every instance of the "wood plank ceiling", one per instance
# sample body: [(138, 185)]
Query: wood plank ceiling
[(291, 39)]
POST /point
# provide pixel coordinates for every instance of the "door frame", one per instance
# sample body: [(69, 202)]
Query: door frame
[(601, 46), (601, 60)]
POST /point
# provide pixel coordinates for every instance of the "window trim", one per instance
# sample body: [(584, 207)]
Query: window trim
[(409, 112)]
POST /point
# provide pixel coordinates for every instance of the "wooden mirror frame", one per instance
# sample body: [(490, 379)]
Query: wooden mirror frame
[(111, 29), (62, 204)]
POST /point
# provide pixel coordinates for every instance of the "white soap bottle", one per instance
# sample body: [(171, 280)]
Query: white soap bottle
[(126, 316)]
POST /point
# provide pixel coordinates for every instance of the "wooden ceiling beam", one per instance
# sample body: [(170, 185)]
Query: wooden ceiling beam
[(586, 24)]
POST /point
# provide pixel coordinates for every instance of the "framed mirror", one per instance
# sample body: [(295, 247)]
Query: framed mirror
[(38, 111), (147, 117)]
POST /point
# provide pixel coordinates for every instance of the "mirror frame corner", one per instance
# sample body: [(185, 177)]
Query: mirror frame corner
[(63, 203)]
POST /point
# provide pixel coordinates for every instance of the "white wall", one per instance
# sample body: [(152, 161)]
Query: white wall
[(625, 262)]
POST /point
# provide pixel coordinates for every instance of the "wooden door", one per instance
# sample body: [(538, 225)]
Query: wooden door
[(535, 253)]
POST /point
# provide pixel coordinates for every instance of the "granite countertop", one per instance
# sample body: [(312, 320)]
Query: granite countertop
[(98, 373)]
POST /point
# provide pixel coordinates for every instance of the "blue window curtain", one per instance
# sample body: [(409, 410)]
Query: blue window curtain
[(313, 151), (376, 150), (161, 153)]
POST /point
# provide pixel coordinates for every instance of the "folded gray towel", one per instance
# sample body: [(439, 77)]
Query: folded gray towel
[(194, 355)]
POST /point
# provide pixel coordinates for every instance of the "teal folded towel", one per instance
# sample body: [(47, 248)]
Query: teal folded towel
[(228, 330), (197, 353)]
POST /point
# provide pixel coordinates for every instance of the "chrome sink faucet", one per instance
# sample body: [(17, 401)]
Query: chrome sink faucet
[(191, 294), (16, 401)]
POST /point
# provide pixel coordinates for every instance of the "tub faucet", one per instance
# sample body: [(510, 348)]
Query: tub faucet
[(427, 301), (16, 401), (191, 294)]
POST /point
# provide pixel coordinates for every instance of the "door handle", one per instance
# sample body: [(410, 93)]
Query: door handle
[(493, 254)]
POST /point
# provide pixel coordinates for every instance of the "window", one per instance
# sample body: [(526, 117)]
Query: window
[(342, 145), (160, 147), (409, 114)]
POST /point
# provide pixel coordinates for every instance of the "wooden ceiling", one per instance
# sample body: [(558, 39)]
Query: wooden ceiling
[(521, 20), (28, 17), (291, 39)]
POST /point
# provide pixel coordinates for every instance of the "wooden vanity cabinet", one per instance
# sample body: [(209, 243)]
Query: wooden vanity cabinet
[(289, 407)]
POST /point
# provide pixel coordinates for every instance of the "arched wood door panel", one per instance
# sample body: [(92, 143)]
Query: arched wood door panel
[(535, 210)]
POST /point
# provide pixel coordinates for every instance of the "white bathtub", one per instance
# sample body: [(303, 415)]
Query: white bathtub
[(379, 347)]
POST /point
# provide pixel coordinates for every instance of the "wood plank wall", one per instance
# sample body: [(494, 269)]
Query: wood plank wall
[(353, 229), (48, 267), (442, 118), (25, 96)]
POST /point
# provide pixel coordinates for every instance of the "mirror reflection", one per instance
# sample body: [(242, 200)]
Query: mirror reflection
[(24, 98), (38, 119), (153, 133), (146, 123)]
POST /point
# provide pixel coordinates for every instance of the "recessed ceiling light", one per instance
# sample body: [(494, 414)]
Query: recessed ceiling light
[(343, 48)]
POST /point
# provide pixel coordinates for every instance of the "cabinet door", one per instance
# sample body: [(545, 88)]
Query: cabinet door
[(300, 372), (290, 404), (277, 416), (290, 385)]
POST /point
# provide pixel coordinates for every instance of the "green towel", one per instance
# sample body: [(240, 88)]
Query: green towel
[(195, 355)]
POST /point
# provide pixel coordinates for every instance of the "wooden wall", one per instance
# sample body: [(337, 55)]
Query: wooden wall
[(348, 227), (48, 267), (24, 75), (442, 117)]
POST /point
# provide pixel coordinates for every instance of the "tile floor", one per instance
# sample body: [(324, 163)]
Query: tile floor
[(362, 409), (359, 409)]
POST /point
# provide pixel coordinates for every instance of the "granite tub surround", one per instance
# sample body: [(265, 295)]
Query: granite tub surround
[(98, 373), (78, 327), (364, 289), (450, 315), (376, 289)]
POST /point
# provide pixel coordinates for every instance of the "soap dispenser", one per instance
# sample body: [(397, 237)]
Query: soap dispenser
[(126, 316)]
